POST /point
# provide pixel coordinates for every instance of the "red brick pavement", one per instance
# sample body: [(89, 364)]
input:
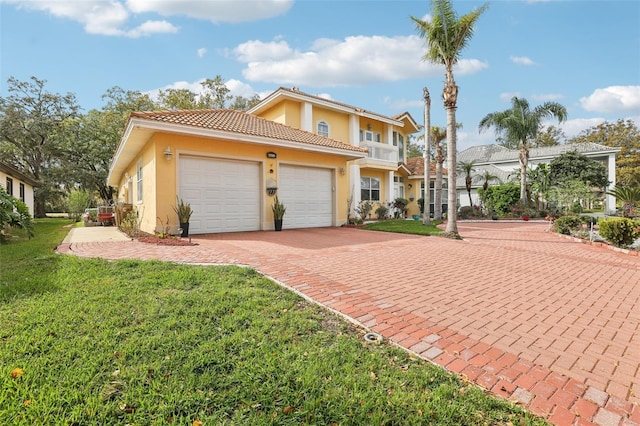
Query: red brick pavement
[(539, 319)]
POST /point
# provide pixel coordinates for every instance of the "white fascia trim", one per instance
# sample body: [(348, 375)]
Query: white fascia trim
[(125, 136), (329, 105), (260, 140)]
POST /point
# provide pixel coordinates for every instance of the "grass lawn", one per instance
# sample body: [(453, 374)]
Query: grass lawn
[(88, 341), (405, 227)]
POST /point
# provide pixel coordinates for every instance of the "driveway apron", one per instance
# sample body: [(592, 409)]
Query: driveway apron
[(540, 319)]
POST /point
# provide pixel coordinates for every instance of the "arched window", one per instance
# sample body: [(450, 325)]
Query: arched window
[(323, 129)]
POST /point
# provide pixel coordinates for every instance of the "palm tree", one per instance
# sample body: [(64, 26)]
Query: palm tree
[(446, 35), (467, 168), (629, 196), (520, 124)]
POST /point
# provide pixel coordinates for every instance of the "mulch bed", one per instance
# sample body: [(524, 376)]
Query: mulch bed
[(171, 241)]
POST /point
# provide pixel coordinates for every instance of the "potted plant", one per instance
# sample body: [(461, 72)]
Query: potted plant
[(278, 213), (184, 212)]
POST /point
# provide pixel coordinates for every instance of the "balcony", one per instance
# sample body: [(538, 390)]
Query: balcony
[(380, 155)]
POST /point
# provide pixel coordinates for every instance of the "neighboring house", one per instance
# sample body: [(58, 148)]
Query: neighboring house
[(17, 184), (503, 163), (416, 184), (312, 152)]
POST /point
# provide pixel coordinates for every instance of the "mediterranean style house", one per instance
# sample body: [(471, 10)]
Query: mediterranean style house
[(315, 154), (503, 163), (17, 184)]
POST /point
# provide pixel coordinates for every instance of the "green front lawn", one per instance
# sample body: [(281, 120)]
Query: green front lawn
[(88, 341), (405, 227)]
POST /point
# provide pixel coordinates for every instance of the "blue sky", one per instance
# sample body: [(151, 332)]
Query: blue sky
[(582, 54)]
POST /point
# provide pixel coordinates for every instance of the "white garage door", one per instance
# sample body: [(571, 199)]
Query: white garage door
[(224, 194), (308, 195)]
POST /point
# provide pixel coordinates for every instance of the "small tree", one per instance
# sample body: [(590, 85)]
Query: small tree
[(13, 214), (500, 198), (77, 202)]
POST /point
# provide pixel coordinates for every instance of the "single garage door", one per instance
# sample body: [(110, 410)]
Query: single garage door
[(224, 194), (307, 192)]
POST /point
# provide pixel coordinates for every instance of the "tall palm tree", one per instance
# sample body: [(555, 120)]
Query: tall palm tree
[(467, 168), (446, 35), (520, 123)]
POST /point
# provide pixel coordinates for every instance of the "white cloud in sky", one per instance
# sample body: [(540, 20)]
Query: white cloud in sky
[(352, 61), (521, 60), (613, 100), (547, 97), (112, 17), (215, 11), (201, 52), (507, 96)]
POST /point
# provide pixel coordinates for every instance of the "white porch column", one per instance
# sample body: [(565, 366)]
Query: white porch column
[(354, 167), (610, 200), (306, 117), (389, 188)]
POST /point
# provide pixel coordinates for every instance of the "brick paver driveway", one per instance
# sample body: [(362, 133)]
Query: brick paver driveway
[(543, 320)]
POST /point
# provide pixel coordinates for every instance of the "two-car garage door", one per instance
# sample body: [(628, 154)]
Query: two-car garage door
[(227, 195)]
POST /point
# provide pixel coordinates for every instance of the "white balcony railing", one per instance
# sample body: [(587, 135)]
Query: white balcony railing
[(380, 152)]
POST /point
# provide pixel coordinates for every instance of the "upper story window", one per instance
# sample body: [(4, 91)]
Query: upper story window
[(369, 136), (22, 192), (139, 179), (369, 189), (398, 140), (9, 186), (323, 129)]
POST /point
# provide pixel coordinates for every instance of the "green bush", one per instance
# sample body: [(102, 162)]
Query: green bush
[(500, 198), (13, 214), (466, 212), (620, 232), (566, 224), (77, 202), (381, 212)]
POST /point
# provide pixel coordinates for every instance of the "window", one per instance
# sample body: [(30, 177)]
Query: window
[(398, 186), (22, 195), (370, 136), (323, 129), (139, 179), (9, 186), (400, 148), (369, 189)]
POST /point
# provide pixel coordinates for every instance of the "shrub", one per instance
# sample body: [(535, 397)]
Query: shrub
[(381, 212), (566, 224), (589, 220), (364, 209), (14, 214), (620, 232), (500, 198), (130, 224), (77, 202), (466, 212)]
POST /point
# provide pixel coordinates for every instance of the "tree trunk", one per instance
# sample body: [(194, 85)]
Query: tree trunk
[(437, 211), (427, 147), (450, 97), (524, 160)]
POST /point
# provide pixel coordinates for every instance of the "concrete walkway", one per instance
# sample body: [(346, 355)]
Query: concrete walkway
[(529, 315)]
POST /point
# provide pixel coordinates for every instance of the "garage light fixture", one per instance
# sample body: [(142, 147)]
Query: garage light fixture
[(343, 171), (167, 153)]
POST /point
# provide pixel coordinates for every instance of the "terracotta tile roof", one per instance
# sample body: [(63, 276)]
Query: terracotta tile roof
[(234, 121), (416, 166)]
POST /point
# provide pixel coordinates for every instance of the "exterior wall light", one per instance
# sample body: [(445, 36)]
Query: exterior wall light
[(343, 171), (167, 153)]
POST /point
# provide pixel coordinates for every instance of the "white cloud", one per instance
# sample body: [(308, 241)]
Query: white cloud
[(353, 61), (215, 11), (547, 97), (521, 60), (572, 128), (201, 52), (112, 17), (507, 96), (236, 88), (613, 100)]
